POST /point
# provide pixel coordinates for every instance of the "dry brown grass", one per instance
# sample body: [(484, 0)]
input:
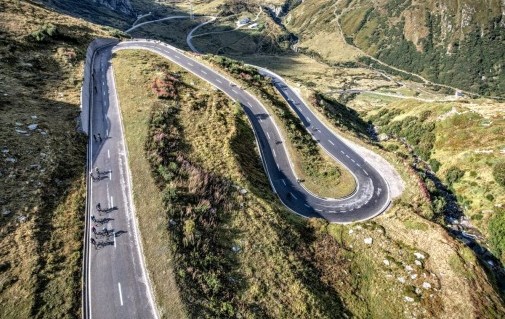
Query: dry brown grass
[(44, 189), (136, 99)]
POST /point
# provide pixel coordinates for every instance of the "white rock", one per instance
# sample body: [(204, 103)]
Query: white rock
[(414, 276), (408, 268), (386, 262), (426, 285), (351, 231), (401, 279), (32, 126), (418, 263), (408, 299), (419, 255), (368, 240), (10, 160), (243, 191), (235, 248), (21, 131), (19, 124), (5, 150), (34, 117)]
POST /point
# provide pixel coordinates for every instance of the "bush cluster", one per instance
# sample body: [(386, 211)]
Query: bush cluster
[(499, 173), (46, 31), (417, 131)]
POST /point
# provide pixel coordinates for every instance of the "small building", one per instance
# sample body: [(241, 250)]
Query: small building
[(243, 21)]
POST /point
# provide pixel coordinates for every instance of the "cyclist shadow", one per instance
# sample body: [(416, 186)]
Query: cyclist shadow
[(108, 210), (119, 233), (102, 244)]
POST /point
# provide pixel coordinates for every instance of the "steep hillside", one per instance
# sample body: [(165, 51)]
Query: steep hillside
[(459, 43), (239, 253), (42, 160)]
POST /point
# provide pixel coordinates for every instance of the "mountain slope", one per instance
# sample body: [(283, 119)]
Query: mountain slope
[(459, 43)]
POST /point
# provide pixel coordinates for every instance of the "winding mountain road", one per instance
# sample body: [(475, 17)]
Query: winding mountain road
[(372, 195), (116, 285)]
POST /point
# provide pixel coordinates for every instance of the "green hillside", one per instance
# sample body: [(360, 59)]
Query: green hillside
[(458, 43)]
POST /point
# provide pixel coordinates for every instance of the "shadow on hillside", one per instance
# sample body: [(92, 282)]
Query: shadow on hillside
[(121, 19), (294, 230)]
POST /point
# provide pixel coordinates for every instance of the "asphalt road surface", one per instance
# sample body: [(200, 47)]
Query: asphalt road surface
[(116, 283)]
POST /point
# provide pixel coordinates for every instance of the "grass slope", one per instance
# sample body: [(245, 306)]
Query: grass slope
[(42, 186), (242, 254)]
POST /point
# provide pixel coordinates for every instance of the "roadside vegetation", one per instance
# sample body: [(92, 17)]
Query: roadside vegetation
[(318, 172), (459, 146), (236, 251), (42, 160)]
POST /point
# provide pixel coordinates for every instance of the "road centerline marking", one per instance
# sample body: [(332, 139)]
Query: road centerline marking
[(331, 143), (218, 80), (120, 293)]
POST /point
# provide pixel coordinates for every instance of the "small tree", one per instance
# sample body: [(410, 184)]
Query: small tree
[(499, 173), (453, 175)]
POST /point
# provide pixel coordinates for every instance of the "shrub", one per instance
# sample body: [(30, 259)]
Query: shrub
[(499, 173), (453, 175), (435, 165), (47, 30), (497, 233)]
